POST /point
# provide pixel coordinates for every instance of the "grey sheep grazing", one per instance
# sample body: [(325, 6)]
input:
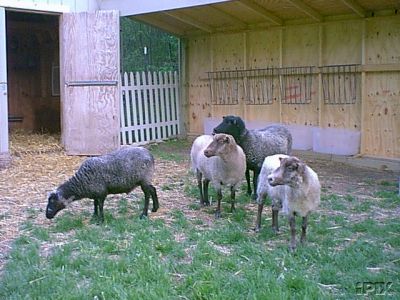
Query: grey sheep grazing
[(293, 187), (220, 161), (117, 172), (256, 144)]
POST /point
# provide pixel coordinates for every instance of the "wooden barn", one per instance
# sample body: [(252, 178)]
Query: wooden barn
[(329, 70)]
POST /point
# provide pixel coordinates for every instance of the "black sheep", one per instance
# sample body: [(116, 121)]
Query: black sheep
[(256, 144)]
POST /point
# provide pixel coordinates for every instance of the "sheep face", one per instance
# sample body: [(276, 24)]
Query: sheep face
[(54, 205), (231, 125), (220, 145), (290, 172)]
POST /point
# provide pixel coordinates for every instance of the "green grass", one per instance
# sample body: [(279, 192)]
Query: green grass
[(171, 150), (186, 258)]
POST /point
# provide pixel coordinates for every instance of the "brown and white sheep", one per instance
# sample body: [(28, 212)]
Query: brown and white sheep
[(220, 161), (293, 187)]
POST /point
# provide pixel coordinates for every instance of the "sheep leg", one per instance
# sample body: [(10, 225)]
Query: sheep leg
[(248, 181), (233, 199), (96, 208), (275, 225), (292, 224), (255, 180), (219, 198), (303, 229), (147, 192), (206, 202), (200, 186), (259, 213), (154, 197)]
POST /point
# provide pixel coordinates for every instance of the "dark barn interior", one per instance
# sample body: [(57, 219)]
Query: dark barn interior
[(33, 72)]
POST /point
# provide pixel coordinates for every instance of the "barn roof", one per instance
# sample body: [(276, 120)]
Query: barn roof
[(192, 17)]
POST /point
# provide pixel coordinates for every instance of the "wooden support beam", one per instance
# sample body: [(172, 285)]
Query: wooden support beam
[(191, 21), (262, 11), (307, 9), (229, 16), (160, 24), (354, 6)]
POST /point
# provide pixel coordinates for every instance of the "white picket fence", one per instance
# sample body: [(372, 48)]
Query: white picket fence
[(149, 107)]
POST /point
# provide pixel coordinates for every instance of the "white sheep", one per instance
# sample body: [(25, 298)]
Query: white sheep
[(293, 187), (220, 161)]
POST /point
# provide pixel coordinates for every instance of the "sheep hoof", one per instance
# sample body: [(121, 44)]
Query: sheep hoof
[(154, 209), (257, 229), (254, 197), (217, 214), (205, 203), (143, 216), (275, 230), (292, 248), (96, 219)]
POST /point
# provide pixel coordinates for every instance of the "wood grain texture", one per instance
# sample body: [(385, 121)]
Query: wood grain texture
[(90, 52)]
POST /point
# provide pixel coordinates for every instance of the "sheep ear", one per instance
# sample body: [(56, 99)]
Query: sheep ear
[(224, 117), (301, 167)]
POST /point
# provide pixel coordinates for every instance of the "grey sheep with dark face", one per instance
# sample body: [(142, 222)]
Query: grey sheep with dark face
[(256, 144), (117, 172)]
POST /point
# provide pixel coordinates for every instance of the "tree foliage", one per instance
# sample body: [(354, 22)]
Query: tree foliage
[(162, 48)]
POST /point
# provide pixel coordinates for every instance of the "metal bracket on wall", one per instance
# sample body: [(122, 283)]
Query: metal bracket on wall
[(3, 88), (92, 83)]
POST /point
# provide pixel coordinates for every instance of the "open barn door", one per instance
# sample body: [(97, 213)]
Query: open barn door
[(90, 82)]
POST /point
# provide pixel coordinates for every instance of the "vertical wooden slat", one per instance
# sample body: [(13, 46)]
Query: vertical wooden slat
[(133, 106), (123, 110), (151, 106), (157, 106), (167, 103), (172, 102), (139, 106), (177, 101), (162, 105), (146, 106), (130, 104)]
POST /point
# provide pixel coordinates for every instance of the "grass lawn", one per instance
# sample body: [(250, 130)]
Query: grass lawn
[(352, 251)]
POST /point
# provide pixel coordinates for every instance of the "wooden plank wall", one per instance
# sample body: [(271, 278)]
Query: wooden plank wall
[(381, 113), (374, 43)]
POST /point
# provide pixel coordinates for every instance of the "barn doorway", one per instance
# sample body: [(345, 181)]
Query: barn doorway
[(33, 72)]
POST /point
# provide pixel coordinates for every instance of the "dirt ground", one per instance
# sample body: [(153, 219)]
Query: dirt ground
[(40, 165)]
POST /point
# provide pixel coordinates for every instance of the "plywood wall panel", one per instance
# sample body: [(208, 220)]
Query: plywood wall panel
[(263, 49), (382, 115), (383, 41), (228, 51), (341, 43), (199, 63), (301, 46)]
